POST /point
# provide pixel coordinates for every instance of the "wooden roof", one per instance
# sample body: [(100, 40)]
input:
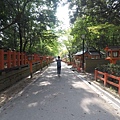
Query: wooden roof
[(91, 51), (112, 48)]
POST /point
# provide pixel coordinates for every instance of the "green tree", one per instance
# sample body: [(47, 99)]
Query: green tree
[(98, 20), (27, 23)]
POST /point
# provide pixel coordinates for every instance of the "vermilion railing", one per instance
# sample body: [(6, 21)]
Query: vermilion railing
[(9, 59), (104, 77)]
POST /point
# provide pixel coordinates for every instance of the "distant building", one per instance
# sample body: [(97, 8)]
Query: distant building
[(89, 53), (113, 54)]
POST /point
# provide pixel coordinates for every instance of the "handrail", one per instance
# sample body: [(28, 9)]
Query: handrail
[(9, 59), (105, 79)]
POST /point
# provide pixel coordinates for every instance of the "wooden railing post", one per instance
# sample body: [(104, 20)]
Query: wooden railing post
[(26, 61), (30, 59), (1, 59), (9, 59), (105, 79), (119, 86), (34, 58), (18, 58), (14, 58), (96, 74), (22, 58), (44, 58), (41, 62), (30, 63), (78, 68), (47, 59)]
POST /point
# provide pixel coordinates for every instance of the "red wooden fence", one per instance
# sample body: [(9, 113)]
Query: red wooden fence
[(9, 59), (105, 77)]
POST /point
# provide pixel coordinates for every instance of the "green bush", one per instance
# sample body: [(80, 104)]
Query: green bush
[(113, 69)]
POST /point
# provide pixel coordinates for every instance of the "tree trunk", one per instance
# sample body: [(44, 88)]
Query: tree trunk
[(20, 35)]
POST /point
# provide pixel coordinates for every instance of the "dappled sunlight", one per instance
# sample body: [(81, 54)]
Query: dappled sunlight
[(29, 76), (58, 93), (43, 102), (52, 67), (44, 83), (32, 104), (48, 96), (66, 72), (38, 71), (85, 104), (92, 103), (37, 92), (77, 84), (50, 75), (53, 95), (52, 71), (64, 66)]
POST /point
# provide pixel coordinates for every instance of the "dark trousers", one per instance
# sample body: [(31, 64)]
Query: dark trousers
[(59, 70)]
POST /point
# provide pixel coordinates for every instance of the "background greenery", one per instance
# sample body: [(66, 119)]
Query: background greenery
[(98, 20), (30, 25)]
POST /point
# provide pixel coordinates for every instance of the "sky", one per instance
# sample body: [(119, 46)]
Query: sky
[(62, 14)]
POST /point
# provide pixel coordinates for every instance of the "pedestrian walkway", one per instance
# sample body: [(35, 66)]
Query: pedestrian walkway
[(51, 97)]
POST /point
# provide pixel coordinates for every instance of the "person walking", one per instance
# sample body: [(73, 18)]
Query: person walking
[(59, 66)]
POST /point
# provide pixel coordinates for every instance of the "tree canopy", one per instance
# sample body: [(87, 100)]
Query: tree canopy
[(98, 20), (29, 25)]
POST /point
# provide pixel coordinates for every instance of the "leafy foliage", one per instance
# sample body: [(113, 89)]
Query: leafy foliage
[(98, 20), (113, 69), (100, 10), (28, 25)]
